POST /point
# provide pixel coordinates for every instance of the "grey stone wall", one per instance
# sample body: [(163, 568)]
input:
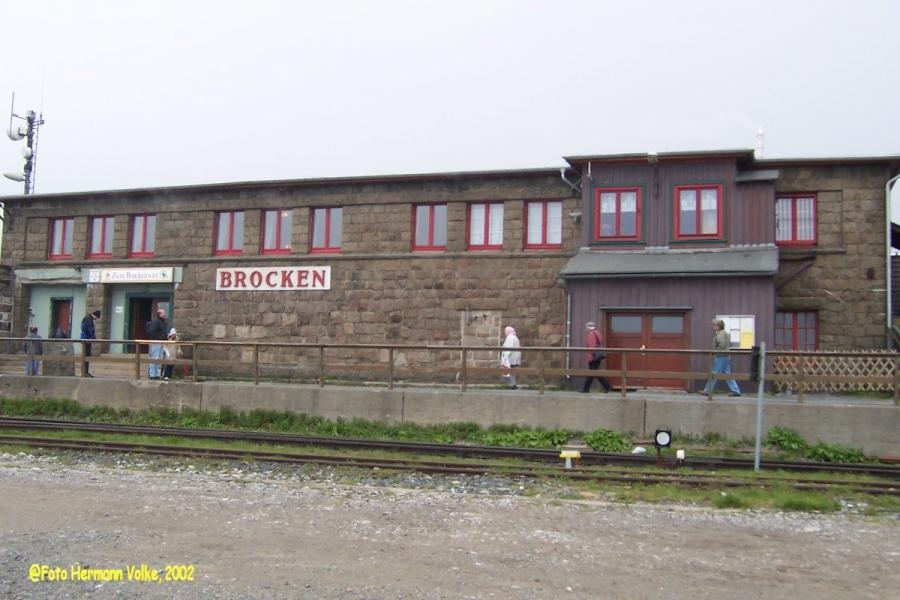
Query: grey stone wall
[(381, 291)]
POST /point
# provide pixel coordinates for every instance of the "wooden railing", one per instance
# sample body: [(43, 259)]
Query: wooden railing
[(463, 366)]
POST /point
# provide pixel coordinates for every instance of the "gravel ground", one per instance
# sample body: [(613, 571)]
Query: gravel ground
[(268, 531)]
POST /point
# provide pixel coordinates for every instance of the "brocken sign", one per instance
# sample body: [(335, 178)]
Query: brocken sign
[(275, 278)]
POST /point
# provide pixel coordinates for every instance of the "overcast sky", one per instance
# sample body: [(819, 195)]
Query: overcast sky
[(163, 93)]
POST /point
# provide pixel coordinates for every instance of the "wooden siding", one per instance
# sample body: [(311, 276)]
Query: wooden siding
[(741, 222), (752, 214), (701, 298)]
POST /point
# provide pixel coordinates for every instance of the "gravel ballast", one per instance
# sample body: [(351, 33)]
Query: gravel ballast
[(268, 531)]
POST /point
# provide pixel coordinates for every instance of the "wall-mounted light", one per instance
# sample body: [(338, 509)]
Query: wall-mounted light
[(576, 216)]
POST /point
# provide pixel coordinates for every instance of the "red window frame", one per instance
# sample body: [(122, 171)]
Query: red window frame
[(792, 200), (330, 222), (788, 327), (283, 224), (60, 246), (145, 226), (485, 229), (233, 240), (435, 240), (616, 233), (544, 243), (698, 217), (105, 226)]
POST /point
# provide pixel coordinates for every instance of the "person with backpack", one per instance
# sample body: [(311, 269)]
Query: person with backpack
[(34, 349), (157, 330)]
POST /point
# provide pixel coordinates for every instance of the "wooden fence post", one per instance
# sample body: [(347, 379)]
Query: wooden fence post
[(541, 373), (897, 382), (465, 369), (255, 364), (801, 380), (391, 368)]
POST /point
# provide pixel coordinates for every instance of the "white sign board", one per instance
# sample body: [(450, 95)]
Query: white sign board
[(132, 275), (273, 278)]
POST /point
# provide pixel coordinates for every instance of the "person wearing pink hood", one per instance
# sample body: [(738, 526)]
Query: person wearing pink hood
[(511, 357)]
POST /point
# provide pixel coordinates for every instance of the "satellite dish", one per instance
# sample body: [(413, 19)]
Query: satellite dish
[(27, 152), (15, 176), (17, 132)]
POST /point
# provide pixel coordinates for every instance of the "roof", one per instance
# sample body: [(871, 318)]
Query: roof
[(890, 159), (668, 262), (281, 183), (643, 157)]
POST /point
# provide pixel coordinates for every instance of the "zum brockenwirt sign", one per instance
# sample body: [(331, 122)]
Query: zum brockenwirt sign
[(273, 278)]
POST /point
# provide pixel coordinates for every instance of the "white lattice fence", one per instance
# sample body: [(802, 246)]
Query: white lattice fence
[(836, 372)]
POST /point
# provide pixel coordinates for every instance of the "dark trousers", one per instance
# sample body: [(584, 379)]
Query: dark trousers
[(85, 367), (594, 365)]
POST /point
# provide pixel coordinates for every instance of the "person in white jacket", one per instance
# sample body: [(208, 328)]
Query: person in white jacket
[(511, 357)]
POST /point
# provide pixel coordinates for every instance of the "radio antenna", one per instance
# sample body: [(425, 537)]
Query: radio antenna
[(28, 131)]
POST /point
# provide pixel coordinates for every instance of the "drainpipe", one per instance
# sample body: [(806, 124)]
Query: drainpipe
[(568, 329), (888, 275)]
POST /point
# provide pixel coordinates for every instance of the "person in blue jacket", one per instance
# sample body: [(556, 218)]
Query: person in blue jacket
[(88, 333)]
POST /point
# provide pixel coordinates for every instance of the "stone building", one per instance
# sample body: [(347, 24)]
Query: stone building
[(793, 252), (444, 259)]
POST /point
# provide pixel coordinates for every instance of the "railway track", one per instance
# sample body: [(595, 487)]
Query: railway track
[(549, 456), (594, 473)]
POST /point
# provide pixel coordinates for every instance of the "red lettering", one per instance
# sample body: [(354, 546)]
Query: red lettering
[(287, 281), (224, 279), (272, 283), (302, 277), (255, 279), (319, 278), (240, 279)]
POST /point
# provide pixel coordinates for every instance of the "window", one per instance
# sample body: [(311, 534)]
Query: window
[(795, 220), (276, 231), (698, 212), (327, 224), (61, 238), (616, 214), (543, 224), (143, 236), (230, 233), (796, 330), (430, 227), (486, 226), (101, 237)]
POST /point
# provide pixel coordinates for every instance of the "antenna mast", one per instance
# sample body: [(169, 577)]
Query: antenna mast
[(28, 131)]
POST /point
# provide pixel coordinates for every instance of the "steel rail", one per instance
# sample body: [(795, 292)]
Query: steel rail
[(438, 467), (588, 457)]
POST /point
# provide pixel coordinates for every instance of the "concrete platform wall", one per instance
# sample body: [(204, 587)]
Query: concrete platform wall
[(868, 425)]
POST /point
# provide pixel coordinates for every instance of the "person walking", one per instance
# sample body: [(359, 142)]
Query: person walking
[(721, 362), (88, 332), (511, 357), (33, 348), (594, 358), (157, 330)]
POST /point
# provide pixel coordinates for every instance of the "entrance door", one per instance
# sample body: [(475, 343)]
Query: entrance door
[(142, 310), (651, 330), (61, 318)]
